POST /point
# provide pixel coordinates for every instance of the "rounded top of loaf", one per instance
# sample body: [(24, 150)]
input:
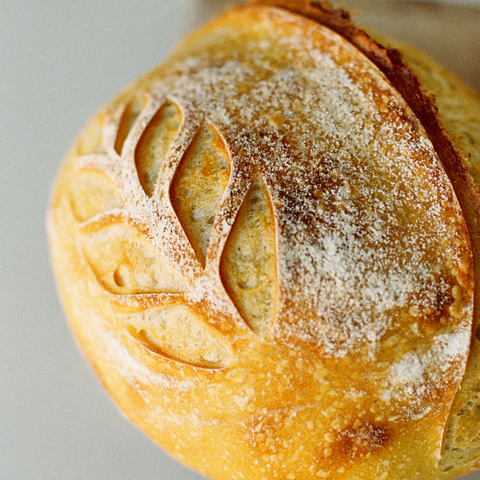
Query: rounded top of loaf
[(263, 256)]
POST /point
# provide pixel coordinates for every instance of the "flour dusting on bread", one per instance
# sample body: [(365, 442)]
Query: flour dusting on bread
[(291, 271)]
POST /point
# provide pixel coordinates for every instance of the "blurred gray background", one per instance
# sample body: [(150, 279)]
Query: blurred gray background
[(59, 62)]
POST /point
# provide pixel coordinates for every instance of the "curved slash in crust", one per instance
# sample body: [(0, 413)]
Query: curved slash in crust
[(125, 263), (179, 334), (154, 144), (198, 187), (126, 120), (248, 265)]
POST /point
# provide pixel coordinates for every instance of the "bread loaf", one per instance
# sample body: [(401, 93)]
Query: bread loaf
[(268, 250)]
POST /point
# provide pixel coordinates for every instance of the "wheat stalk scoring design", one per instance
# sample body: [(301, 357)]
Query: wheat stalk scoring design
[(130, 159)]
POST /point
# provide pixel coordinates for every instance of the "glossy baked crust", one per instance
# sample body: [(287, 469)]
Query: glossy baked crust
[(266, 248)]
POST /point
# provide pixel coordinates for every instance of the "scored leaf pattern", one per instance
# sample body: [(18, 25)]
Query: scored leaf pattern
[(154, 144), (93, 193), (248, 266), (129, 115), (199, 185), (125, 262), (180, 334)]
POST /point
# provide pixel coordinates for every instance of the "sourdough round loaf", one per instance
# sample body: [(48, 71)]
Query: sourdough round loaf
[(266, 249)]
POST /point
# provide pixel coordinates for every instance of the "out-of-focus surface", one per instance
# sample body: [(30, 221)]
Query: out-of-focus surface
[(59, 62), (448, 31)]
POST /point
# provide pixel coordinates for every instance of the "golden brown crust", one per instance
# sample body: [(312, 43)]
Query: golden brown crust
[(459, 110), (404, 79), (334, 344)]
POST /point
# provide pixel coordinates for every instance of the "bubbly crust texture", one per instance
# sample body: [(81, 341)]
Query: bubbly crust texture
[(269, 263)]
